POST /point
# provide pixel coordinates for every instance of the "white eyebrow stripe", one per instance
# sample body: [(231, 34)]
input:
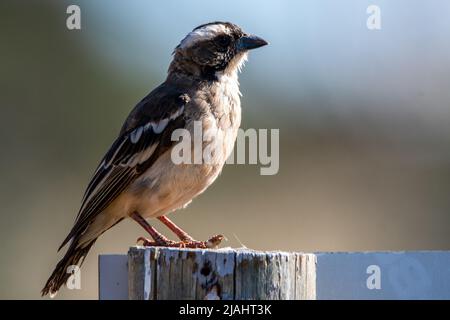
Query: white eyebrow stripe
[(204, 33)]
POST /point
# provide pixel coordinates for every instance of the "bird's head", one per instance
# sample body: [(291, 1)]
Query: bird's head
[(212, 49)]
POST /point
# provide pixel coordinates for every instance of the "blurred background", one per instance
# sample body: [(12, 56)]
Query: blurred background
[(364, 119)]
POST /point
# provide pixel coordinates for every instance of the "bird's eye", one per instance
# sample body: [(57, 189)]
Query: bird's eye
[(223, 41)]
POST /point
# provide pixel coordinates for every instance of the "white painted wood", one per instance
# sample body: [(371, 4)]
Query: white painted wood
[(113, 277), (246, 274), (401, 275)]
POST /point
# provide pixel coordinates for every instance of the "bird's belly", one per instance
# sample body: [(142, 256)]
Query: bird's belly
[(161, 193), (167, 186)]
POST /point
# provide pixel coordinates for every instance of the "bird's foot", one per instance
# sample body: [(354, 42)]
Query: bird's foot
[(211, 243), (187, 242), (158, 243)]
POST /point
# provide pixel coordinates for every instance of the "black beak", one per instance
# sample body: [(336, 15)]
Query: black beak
[(249, 42)]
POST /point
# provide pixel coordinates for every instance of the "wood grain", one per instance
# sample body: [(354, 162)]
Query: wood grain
[(240, 274)]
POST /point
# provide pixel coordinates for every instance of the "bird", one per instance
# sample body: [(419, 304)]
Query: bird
[(137, 177)]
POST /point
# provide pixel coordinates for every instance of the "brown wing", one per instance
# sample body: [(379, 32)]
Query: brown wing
[(145, 136)]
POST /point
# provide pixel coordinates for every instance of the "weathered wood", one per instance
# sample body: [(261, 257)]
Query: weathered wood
[(172, 273), (141, 274), (323, 275)]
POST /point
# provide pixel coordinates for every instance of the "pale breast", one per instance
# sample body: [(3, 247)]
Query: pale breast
[(167, 186)]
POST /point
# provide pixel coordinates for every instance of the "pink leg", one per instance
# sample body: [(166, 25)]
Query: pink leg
[(175, 229), (159, 239)]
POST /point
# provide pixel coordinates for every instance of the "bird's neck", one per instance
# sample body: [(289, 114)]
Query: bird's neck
[(182, 69)]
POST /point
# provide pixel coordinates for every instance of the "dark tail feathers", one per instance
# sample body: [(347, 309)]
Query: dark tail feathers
[(74, 256)]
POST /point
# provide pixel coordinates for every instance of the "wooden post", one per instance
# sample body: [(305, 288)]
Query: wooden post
[(172, 273), (160, 273)]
